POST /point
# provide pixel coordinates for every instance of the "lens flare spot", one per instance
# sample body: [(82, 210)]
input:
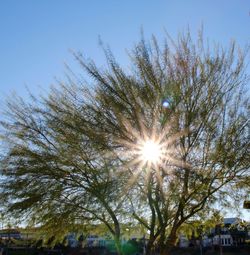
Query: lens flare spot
[(165, 104)]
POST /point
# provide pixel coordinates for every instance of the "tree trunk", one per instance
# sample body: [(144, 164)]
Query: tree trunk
[(149, 247), (170, 244), (161, 244), (118, 245)]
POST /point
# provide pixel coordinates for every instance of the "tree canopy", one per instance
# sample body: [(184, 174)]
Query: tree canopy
[(77, 155)]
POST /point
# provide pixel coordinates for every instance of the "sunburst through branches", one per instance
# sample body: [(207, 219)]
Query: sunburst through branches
[(150, 152), (151, 148)]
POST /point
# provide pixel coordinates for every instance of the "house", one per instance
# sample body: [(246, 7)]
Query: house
[(9, 234), (231, 233)]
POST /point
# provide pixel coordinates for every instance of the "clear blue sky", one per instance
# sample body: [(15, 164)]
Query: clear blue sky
[(35, 36)]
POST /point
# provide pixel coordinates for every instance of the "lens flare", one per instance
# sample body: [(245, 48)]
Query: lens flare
[(150, 147), (151, 152)]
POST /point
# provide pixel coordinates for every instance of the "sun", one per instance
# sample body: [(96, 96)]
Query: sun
[(150, 152), (149, 146)]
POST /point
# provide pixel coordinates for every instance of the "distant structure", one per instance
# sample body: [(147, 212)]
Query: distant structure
[(233, 232), (10, 233)]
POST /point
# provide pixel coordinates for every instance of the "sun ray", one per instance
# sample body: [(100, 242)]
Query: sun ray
[(150, 148), (134, 176)]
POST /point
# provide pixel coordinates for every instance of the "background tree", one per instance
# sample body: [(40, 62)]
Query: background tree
[(158, 144)]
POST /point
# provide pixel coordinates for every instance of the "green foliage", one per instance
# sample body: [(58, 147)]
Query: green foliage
[(131, 247), (72, 157)]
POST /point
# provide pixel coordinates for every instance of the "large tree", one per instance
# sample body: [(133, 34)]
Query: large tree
[(156, 145)]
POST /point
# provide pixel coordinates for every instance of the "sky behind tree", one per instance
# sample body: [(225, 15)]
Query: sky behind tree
[(36, 37)]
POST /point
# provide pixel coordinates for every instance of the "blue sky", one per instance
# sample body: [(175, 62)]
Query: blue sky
[(36, 36)]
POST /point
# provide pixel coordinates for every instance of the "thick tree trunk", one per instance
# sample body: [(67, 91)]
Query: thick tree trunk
[(170, 244), (161, 244), (149, 247)]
